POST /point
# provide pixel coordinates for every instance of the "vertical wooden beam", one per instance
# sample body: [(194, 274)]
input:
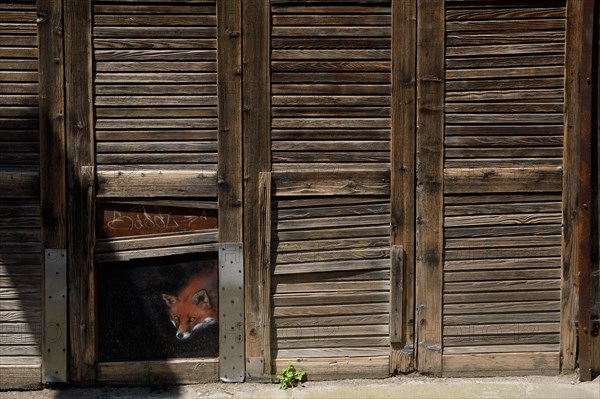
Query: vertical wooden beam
[(396, 309), (53, 198), (584, 204), (575, 217), (596, 229), (264, 266), (80, 188), (402, 170), (429, 170), (257, 158), (229, 56)]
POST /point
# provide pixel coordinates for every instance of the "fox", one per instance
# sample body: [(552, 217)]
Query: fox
[(195, 307)]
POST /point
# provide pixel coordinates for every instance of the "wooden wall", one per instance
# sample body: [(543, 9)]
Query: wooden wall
[(155, 106), (407, 192), (20, 249), (503, 159), (330, 149)]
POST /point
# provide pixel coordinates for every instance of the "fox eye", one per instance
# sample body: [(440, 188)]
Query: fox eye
[(176, 318), (192, 319)]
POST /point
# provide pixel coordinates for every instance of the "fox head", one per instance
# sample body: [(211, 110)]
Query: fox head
[(192, 309)]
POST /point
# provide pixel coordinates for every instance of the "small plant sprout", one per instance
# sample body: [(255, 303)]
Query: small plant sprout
[(289, 377)]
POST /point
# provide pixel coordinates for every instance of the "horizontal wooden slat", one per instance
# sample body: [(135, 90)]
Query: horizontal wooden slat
[(353, 321), (547, 295), (20, 376), (507, 363), (502, 180), (501, 307), (156, 241), (283, 287), (498, 265), (515, 329), (338, 367), (336, 183), (302, 299), (331, 331), (325, 245), (331, 342), (331, 352), (508, 219), (178, 371), (330, 310), (507, 318), (503, 277), (126, 255), (334, 232), (19, 183), (148, 183), (502, 348), (331, 266)]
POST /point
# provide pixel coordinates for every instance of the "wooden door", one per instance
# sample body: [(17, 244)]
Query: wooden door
[(497, 143), (331, 221), (154, 127)]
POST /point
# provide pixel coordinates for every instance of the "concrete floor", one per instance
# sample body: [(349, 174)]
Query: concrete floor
[(560, 387)]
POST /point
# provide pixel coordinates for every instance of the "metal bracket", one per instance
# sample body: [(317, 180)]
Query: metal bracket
[(231, 312), (55, 315)]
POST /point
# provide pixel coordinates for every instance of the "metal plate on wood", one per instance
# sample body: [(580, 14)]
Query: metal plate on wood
[(55, 311), (231, 312)]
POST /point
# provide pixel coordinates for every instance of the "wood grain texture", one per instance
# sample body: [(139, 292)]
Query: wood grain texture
[(21, 285), (335, 368), (257, 158), (153, 183), (80, 188), (429, 148), (402, 170), (174, 371), (501, 364), (53, 195), (569, 287), (265, 267), (229, 17), (584, 203)]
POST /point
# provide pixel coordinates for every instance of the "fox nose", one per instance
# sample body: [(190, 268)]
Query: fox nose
[(180, 335)]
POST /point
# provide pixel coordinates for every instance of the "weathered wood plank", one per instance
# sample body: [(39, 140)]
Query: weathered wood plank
[(156, 241), (335, 368), (331, 322), (80, 188), (572, 157), (20, 377), (148, 183), (333, 352), (330, 310), (335, 331), (19, 183), (330, 298), (331, 266), (335, 233), (490, 364), (334, 183), (331, 342), (429, 169), (502, 180), (176, 371), (256, 88), (477, 319), (501, 307), (502, 349), (504, 277)]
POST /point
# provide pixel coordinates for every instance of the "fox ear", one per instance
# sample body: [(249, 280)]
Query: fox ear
[(201, 296), (169, 299)]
